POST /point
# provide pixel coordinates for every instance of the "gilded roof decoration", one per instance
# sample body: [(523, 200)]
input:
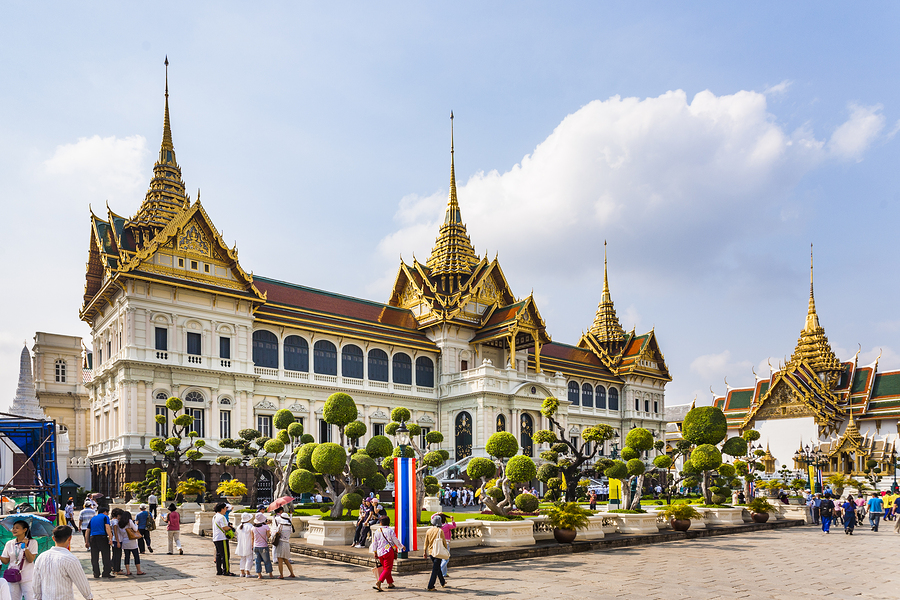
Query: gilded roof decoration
[(812, 346), (606, 328)]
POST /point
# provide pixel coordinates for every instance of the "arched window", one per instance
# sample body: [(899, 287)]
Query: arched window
[(352, 361), (193, 396), (613, 399), (325, 358), (424, 372), (501, 423), (402, 365), (296, 354), (162, 429), (265, 349), (527, 425), (637, 403), (601, 396), (60, 371), (574, 393), (587, 395), (463, 433), (378, 365)]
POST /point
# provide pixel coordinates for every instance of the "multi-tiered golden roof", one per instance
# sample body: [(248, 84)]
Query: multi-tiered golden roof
[(606, 327), (812, 346)]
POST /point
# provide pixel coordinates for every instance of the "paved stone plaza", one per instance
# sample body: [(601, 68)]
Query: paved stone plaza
[(799, 562)]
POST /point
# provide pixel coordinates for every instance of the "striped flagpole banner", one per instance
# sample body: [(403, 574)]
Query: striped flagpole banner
[(819, 479), (405, 501), (752, 492)]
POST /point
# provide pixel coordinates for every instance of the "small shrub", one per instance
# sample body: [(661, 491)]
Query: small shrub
[(760, 505), (527, 503)]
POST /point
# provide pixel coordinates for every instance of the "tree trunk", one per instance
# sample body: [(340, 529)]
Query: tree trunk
[(638, 490), (704, 484)]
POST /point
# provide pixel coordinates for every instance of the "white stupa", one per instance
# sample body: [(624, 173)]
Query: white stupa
[(26, 403)]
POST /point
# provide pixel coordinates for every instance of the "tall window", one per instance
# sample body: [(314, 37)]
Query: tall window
[(324, 431), (352, 362), (574, 393), (402, 364), (325, 358), (646, 406), (377, 428), (378, 365), (296, 354), (613, 399), (265, 349), (197, 413), (425, 432), (637, 404), (656, 406), (225, 424), (60, 371), (601, 396), (501, 423), (463, 434), (224, 347), (193, 343), (264, 425), (162, 338), (424, 372), (162, 429), (527, 426), (587, 395)]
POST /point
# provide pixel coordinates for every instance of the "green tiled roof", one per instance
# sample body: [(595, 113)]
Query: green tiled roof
[(886, 385), (859, 381), (740, 399)]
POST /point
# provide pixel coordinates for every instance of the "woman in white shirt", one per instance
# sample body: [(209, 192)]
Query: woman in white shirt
[(129, 546), (19, 553), (245, 544), (281, 541)]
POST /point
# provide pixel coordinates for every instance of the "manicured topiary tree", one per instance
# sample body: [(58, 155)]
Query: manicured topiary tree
[(505, 471), (630, 469), (429, 456), (182, 446), (339, 470), (569, 457)]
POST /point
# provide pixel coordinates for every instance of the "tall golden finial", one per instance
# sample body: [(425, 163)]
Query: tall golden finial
[(167, 130), (605, 296), (453, 214), (812, 319)]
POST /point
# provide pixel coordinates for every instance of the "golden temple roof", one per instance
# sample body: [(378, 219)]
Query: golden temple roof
[(813, 346), (606, 326), (453, 253), (166, 196)]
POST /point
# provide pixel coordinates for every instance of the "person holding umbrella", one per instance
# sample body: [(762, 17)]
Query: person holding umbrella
[(19, 554)]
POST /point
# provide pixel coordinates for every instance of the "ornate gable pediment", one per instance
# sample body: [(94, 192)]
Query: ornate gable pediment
[(783, 403), (193, 240)]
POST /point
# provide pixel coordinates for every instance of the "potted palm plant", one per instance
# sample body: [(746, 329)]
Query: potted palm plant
[(759, 510), (566, 518), (233, 490), (680, 516)]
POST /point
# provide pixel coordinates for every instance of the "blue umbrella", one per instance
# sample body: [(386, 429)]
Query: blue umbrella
[(38, 525)]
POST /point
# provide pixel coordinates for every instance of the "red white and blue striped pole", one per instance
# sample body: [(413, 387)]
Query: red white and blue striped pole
[(405, 502)]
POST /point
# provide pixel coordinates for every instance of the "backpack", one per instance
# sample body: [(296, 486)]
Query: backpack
[(826, 508)]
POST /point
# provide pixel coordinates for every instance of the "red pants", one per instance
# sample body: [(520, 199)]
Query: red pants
[(387, 564)]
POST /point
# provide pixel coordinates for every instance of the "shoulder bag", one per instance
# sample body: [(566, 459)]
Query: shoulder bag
[(132, 534), (13, 574), (438, 549), (151, 523)]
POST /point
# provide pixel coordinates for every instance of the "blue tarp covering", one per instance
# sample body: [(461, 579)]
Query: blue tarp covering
[(36, 438)]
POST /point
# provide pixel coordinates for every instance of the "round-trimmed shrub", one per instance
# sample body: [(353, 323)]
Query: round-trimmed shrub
[(560, 448), (521, 469), (295, 429), (221, 460), (193, 455), (158, 445), (302, 481), (445, 454), (663, 461), (434, 437), (550, 456), (284, 436), (736, 446), (704, 425), (307, 438), (554, 483), (388, 463), (377, 482), (355, 430), (248, 434), (391, 428), (502, 444), (751, 435), (414, 430), (339, 409), (283, 419), (410, 453), (161, 419), (691, 482), (329, 459), (726, 470), (379, 446), (618, 470), (270, 462), (597, 433), (547, 471), (544, 436), (173, 441), (234, 462), (430, 480), (549, 406), (184, 420), (400, 414), (629, 453), (274, 447), (174, 403), (706, 457), (689, 468), (433, 459), (479, 467), (635, 466), (362, 466), (261, 441), (639, 438), (527, 503), (495, 493), (351, 501)]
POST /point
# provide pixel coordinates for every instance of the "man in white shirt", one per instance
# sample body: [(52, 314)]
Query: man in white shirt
[(219, 527), (56, 570), (153, 501)]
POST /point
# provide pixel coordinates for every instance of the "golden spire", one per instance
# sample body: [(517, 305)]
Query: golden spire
[(606, 326), (453, 253), (813, 346), (166, 195)]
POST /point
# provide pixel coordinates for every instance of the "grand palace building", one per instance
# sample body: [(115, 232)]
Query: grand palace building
[(816, 408), (173, 312)]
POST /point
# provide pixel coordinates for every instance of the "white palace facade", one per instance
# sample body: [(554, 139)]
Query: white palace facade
[(172, 312)]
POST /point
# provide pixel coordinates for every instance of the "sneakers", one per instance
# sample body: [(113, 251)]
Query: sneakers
[(180, 551)]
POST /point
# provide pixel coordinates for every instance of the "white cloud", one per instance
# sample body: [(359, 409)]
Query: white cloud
[(853, 138), (779, 88), (111, 168), (716, 367)]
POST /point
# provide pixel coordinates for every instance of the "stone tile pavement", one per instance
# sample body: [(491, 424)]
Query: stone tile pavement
[(796, 563)]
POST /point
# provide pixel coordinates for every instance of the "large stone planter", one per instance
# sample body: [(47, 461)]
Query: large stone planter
[(330, 533), (507, 533), (187, 511), (432, 504), (541, 530), (724, 516), (594, 530), (634, 523), (202, 521)]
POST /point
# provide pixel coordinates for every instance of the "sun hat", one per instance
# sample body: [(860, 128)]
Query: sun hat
[(246, 517), (143, 507), (260, 519), (436, 520)]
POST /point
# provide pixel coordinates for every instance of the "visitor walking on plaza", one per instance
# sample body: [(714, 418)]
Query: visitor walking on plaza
[(282, 528), (896, 511), (19, 553), (154, 503), (220, 530), (592, 498), (57, 570), (816, 504), (448, 535), (145, 526), (434, 541), (173, 528), (84, 521), (826, 512), (245, 544), (860, 509), (116, 540), (875, 507), (849, 508), (128, 538), (70, 513), (385, 545), (261, 546), (101, 533)]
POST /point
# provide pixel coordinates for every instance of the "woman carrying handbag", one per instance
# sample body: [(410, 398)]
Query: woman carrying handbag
[(385, 546), (437, 549)]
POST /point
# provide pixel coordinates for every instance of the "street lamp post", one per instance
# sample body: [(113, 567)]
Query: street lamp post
[(403, 442), (895, 488)]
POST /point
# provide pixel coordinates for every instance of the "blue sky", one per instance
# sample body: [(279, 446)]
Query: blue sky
[(710, 144)]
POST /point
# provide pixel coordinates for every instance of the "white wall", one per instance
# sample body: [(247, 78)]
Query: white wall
[(784, 436)]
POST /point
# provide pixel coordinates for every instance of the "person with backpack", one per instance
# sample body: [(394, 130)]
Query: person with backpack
[(145, 525), (826, 512), (436, 549)]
